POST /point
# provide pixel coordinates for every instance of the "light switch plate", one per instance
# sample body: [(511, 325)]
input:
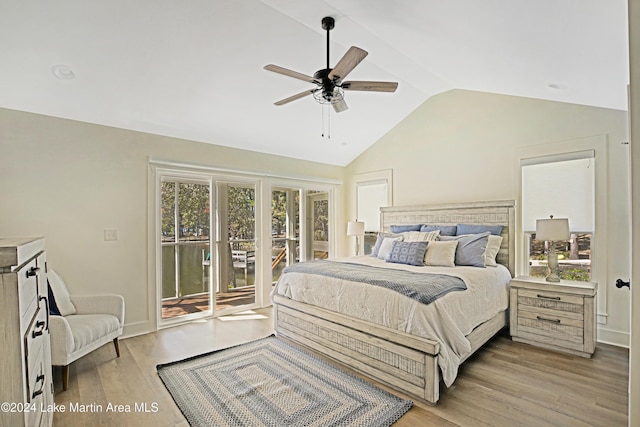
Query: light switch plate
[(110, 235)]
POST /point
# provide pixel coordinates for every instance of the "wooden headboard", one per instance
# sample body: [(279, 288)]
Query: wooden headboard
[(500, 212)]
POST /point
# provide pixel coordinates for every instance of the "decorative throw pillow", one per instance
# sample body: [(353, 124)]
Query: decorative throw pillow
[(387, 244), (493, 247), (411, 253), (471, 249), (445, 230), (403, 228), (60, 293), (417, 236), (462, 229), (441, 253), (53, 307)]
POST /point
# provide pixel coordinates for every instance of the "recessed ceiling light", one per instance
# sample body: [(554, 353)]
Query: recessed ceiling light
[(63, 72), (558, 86)]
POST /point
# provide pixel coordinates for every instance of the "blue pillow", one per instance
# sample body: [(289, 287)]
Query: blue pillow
[(411, 253), (496, 230), (471, 249), (403, 228), (53, 307), (445, 230)]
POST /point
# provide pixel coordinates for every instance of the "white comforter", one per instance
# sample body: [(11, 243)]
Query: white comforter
[(447, 320)]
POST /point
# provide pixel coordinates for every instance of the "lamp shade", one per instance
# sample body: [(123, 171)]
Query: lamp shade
[(552, 229), (355, 228)]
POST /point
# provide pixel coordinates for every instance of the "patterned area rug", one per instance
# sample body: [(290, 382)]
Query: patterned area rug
[(270, 382)]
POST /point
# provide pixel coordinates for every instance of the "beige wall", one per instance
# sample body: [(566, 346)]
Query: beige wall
[(69, 181), (464, 146)]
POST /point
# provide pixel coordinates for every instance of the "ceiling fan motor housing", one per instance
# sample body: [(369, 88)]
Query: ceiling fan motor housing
[(327, 84)]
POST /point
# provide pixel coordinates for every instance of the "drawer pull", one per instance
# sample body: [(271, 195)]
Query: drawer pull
[(548, 297), (548, 320), (32, 271), (37, 393), (39, 324)]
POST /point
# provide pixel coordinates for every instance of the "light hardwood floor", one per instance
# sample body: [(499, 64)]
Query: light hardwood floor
[(504, 384)]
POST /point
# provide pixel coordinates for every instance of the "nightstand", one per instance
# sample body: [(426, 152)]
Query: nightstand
[(558, 316)]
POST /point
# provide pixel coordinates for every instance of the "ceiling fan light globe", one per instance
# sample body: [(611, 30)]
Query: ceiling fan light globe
[(329, 97)]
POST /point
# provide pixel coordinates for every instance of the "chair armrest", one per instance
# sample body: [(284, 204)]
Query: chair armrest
[(100, 304), (61, 340)]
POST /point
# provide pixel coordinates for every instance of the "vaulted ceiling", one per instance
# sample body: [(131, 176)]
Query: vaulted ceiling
[(194, 69)]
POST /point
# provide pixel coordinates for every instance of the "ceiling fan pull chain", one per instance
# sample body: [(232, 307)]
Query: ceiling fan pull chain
[(328, 126)]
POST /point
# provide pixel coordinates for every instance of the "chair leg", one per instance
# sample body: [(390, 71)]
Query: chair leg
[(117, 346), (65, 377)]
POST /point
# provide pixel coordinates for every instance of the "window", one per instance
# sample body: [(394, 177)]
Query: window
[(562, 186), (373, 191)]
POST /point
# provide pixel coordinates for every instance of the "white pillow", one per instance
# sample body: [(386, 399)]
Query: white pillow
[(60, 293), (493, 247), (420, 236), (385, 247), (441, 253)]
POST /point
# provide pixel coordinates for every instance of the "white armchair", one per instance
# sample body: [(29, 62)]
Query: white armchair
[(85, 323)]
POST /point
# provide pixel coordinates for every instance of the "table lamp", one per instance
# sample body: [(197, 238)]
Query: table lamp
[(552, 230)]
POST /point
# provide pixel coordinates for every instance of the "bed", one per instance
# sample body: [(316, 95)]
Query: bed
[(391, 337)]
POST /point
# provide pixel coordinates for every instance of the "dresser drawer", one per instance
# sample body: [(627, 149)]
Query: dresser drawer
[(556, 327), (37, 381), (552, 300), (34, 344), (28, 288)]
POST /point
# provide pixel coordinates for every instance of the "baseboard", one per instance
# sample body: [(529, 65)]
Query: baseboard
[(617, 338), (135, 329)]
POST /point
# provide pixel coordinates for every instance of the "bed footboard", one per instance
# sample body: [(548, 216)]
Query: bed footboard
[(399, 360)]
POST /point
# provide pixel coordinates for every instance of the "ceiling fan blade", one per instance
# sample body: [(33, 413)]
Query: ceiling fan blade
[(340, 106), (294, 97), (290, 73), (347, 63), (370, 86)]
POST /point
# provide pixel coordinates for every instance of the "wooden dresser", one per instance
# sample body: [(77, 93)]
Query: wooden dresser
[(26, 387), (560, 316)]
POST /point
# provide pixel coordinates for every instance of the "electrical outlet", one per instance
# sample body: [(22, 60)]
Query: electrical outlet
[(110, 235)]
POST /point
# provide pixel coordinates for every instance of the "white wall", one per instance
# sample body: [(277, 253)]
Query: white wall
[(463, 146), (69, 181)]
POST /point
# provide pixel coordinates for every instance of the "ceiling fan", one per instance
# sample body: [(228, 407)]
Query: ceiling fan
[(330, 81)]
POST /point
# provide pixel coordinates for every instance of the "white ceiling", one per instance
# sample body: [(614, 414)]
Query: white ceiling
[(193, 69)]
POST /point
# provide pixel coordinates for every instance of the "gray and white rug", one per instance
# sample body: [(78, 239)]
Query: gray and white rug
[(270, 382)]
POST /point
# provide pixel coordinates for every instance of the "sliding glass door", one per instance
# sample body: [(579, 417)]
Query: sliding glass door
[(185, 247), (285, 229), (236, 244), (209, 229), (200, 276)]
